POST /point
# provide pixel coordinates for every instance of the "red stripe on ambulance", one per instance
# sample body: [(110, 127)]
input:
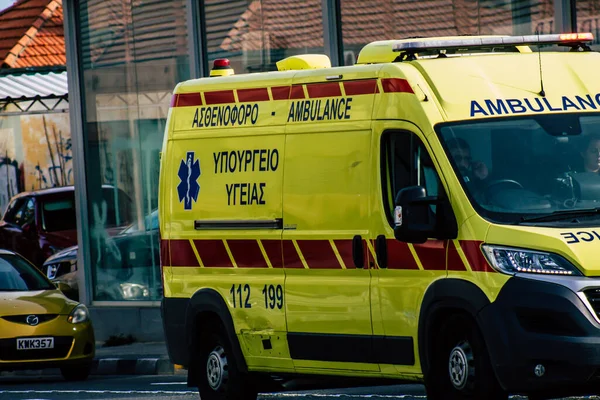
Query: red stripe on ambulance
[(344, 248), (473, 252), (273, 249), (318, 254), (247, 254), (219, 97), (165, 255), (391, 85), (280, 92), (291, 259), (399, 255), (297, 92), (367, 86), (432, 255), (246, 95), (186, 100), (213, 253), (329, 89), (455, 263), (182, 254)]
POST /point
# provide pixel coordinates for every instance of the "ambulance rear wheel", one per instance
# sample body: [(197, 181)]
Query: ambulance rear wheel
[(461, 367), (219, 375)]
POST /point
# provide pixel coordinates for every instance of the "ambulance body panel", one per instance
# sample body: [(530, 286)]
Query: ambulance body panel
[(287, 247)]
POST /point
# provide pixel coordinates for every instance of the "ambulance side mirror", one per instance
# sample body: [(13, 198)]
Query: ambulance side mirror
[(418, 217)]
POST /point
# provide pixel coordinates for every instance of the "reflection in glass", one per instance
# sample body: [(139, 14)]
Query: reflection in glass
[(254, 35), (535, 166), (365, 22), (133, 55)]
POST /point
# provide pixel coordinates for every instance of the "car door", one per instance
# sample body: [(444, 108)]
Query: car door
[(404, 270), (17, 229)]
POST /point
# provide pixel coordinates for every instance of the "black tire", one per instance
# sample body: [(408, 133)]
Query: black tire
[(224, 380), (76, 372), (459, 345)]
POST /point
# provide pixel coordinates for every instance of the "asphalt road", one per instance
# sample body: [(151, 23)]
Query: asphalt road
[(173, 387)]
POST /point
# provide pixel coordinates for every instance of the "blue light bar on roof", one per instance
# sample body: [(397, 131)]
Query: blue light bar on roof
[(567, 39)]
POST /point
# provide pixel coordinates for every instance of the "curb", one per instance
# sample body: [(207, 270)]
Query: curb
[(112, 366), (132, 366)]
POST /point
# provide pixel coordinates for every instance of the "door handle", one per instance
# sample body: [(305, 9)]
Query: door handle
[(358, 252), (381, 251)]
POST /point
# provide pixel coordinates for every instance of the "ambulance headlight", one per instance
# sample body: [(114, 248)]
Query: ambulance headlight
[(510, 260)]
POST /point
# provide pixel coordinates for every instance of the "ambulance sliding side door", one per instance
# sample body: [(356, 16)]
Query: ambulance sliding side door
[(404, 271), (325, 214)]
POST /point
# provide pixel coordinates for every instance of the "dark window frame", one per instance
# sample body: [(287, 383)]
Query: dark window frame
[(415, 142)]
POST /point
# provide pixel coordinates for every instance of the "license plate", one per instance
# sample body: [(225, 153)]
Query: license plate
[(35, 343)]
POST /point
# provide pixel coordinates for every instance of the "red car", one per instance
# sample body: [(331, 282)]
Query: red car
[(40, 223)]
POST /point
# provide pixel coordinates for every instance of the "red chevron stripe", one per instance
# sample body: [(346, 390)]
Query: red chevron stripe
[(219, 97), (291, 259), (247, 254), (260, 94), (318, 254), (297, 92), (344, 247), (329, 89), (213, 253), (182, 254), (280, 92), (477, 261), (273, 249), (432, 255), (399, 256), (165, 255), (455, 263), (391, 85), (367, 86)]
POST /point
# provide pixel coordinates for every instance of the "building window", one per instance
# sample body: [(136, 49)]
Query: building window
[(370, 20), (588, 19), (133, 53), (255, 34)]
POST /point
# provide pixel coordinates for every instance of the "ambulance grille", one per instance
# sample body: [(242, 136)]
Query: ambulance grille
[(593, 296)]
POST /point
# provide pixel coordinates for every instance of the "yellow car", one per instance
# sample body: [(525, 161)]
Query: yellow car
[(39, 326)]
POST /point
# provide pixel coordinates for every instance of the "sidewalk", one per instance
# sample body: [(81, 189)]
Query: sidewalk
[(143, 358)]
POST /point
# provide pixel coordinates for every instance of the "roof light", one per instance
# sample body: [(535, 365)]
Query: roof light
[(221, 67), (221, 62), (566, 39), (586, 36)]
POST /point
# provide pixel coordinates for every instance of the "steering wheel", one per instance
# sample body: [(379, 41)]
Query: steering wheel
[(497, 182)]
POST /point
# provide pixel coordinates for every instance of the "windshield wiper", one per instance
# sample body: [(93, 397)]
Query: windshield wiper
[(562, 214)]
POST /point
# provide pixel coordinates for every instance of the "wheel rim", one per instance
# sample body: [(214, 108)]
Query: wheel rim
[(460, 365), (217, 368)]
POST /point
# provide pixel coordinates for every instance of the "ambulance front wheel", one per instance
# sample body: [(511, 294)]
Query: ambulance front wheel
[(461, 367), (220, 377)]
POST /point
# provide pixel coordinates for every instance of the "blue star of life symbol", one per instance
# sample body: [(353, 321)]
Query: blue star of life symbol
[(188, 188)]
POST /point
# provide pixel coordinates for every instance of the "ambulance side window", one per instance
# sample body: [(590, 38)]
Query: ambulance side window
[(406, 162)]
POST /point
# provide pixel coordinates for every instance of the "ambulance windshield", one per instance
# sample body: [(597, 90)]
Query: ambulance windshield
[(541, 169)]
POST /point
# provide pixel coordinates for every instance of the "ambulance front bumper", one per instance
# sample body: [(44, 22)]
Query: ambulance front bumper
[(543, 335)]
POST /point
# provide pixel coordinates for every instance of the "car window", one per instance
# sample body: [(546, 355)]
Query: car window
[(14, 210), (58, 213), (119, 207), (17, 274), (406, 162), (28, 213)]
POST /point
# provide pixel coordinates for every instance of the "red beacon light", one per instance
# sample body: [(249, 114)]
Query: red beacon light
[(221, 67)]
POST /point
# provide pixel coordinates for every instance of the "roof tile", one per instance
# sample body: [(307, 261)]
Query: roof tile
[(31, 31)]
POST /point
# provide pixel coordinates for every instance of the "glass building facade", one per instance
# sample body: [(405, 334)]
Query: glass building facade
[(126, 56)]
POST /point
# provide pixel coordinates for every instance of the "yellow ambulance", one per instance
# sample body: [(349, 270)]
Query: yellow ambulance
[(430, 214)]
